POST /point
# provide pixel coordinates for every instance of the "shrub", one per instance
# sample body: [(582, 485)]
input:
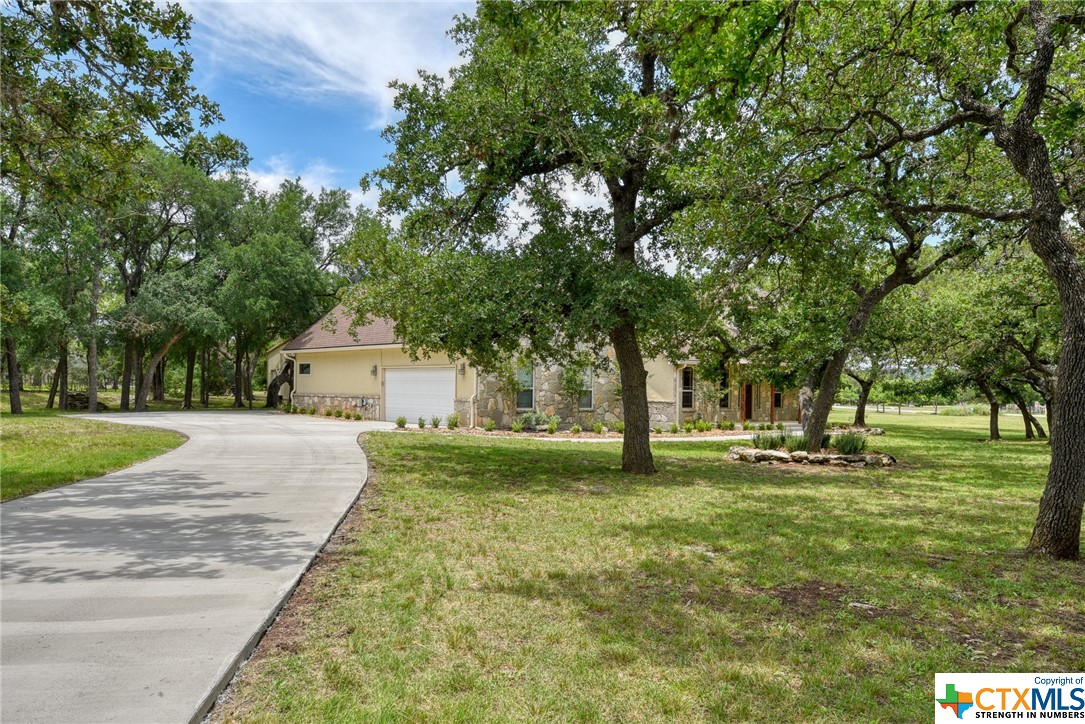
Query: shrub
[(285, 408), (357, 416), (339, 413), (328, 412), (619, 427), (780, 426), (421, 423), (702, 426), (657, 430), (768, 441), (727, 425), (435, 421), (517, 426), (489, 425), (597, 428), (794, 442), (849, 443), (748, 426), (552, 426), (674, 428), (401, 422), (453, 421), (312, 411), (575, 429), (688, 427), (533, 420)]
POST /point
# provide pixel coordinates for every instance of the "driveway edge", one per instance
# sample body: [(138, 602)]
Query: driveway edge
[(207, 703)]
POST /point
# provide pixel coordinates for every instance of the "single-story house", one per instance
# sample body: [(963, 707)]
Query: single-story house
[(368, 371)]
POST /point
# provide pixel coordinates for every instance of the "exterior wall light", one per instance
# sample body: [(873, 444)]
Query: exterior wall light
[(463, 368), (373, 370)]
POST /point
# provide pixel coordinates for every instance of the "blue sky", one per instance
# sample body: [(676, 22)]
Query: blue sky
[(304, 84)]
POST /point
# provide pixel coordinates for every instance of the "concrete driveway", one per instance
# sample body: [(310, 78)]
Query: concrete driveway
[(133, 597)]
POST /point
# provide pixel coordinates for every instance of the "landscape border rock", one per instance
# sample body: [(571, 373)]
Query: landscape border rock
[(801, 457), (841, 429)]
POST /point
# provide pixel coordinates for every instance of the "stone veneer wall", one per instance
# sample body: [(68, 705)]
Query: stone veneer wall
[(368, 405), (607, 405)]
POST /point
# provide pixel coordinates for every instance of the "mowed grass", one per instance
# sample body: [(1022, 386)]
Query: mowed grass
[(41, 449), (509, 580)]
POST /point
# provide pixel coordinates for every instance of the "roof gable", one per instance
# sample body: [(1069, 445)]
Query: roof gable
[(333, 330)]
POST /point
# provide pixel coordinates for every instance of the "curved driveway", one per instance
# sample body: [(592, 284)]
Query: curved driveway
[(132, 597)]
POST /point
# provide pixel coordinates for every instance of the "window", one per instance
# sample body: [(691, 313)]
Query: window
[(725, 391), (587, 400), (777, 399), (305, 368), (525, 398), (687, 388)]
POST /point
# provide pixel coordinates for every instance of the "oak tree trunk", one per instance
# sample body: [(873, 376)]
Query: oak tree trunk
[(988, 393), (636, 447), (62, 404), (276, 382), (53, 388), (126, 374), (92, 342), (814, 426), (148, 374), (190, 372), (864, 395), (15, 401), (239, 377)]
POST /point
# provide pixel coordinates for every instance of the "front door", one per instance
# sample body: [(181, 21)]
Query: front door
[(747, 403)]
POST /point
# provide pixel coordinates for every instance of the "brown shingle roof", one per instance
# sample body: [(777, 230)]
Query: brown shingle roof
[(378, 331)]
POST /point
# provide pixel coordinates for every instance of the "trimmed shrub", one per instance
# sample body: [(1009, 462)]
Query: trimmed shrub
[(575, 429), (435, 421), (339, 413), (849, 443), (488, 426), (619, 427), (357, 416), (453, 421), (597, 428), (401, 422), (688, 427), (421, 423), (702, 426), (728, 425), (674, 428), (328, 412)]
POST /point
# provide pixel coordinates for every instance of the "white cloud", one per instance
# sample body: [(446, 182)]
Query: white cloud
[(307, 50), (314, 175)]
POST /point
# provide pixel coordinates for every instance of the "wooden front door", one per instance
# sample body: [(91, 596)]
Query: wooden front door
[(747, 403)]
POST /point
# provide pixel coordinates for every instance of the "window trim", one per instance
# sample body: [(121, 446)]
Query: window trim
[(530, 388), (305, 368), (690, 390), (589, 391)]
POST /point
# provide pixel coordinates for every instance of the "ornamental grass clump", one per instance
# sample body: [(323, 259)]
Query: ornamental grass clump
[(849, 443), (517, 425), (575, 429), (489, 425), (597, 428), (768, 441)]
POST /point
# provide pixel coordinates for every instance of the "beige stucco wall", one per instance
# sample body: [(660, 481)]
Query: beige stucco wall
[(349, 372), (660, 380)]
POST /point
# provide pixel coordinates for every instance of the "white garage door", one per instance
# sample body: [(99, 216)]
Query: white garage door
[(419, 393)]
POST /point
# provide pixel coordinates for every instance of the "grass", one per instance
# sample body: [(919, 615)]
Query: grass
[(42, 449), (514, 580)]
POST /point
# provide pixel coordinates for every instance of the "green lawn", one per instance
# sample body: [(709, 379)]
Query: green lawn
[(42, 449), (498, 580)]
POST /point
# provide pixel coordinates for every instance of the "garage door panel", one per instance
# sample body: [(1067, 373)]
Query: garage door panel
[(414, 393)]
